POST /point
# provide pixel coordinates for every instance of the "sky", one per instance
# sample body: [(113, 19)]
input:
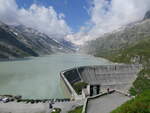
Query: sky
[(74, 10), (75, 20)]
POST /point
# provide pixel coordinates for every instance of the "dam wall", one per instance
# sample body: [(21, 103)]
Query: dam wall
[(69, 77), (117, 77)]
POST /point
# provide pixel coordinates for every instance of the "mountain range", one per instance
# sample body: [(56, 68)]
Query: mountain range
[(147, 15), (121, 39), (20, 41)]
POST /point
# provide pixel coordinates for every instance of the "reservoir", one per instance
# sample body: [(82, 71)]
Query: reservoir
[(39, 78)]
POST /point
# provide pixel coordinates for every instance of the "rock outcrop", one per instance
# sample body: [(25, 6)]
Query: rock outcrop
[(147, 15)]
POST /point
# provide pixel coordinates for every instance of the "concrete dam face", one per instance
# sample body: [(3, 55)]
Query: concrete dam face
[(118, 77)]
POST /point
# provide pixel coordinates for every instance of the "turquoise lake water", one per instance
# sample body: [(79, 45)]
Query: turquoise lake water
[(39, 77)]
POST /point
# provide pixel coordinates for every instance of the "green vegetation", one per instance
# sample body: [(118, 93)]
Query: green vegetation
[(141, 83), (140, 104), (58, 110), (140, 52), (77, 110), (78, 86), (16, 52)]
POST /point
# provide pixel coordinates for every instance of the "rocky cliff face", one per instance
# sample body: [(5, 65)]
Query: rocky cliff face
[(20, 41), (147, 15)]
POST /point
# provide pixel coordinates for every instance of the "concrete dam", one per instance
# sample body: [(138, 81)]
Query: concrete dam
[(118, 77)]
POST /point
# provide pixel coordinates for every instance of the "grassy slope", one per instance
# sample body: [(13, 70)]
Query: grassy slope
[(141, 83), (140, 104), (140, 50), (78, 86), (58, 110), (77, 110)]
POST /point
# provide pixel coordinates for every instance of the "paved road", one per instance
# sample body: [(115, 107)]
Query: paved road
[(14, 107), (68, 105), (107, 103)]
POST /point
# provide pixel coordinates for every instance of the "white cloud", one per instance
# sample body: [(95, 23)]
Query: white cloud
[(78, 38), (120, 12), (8, 11), (39, 17), (106, 17)]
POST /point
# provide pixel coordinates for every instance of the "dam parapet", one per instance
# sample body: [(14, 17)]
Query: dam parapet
[(118, 77)]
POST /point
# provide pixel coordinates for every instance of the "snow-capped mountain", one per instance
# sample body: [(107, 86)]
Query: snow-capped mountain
[(21, 41)]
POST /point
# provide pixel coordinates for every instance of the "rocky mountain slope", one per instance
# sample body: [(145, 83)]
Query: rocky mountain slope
[(147, 15), (136, 53), (20, 41), (120, 39)]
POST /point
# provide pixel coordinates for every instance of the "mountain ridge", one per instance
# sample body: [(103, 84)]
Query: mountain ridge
[(112, 42), (21, 41), (147, 15)]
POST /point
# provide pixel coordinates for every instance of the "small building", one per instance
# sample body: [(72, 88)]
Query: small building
[(91, 90), (94, 89)]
